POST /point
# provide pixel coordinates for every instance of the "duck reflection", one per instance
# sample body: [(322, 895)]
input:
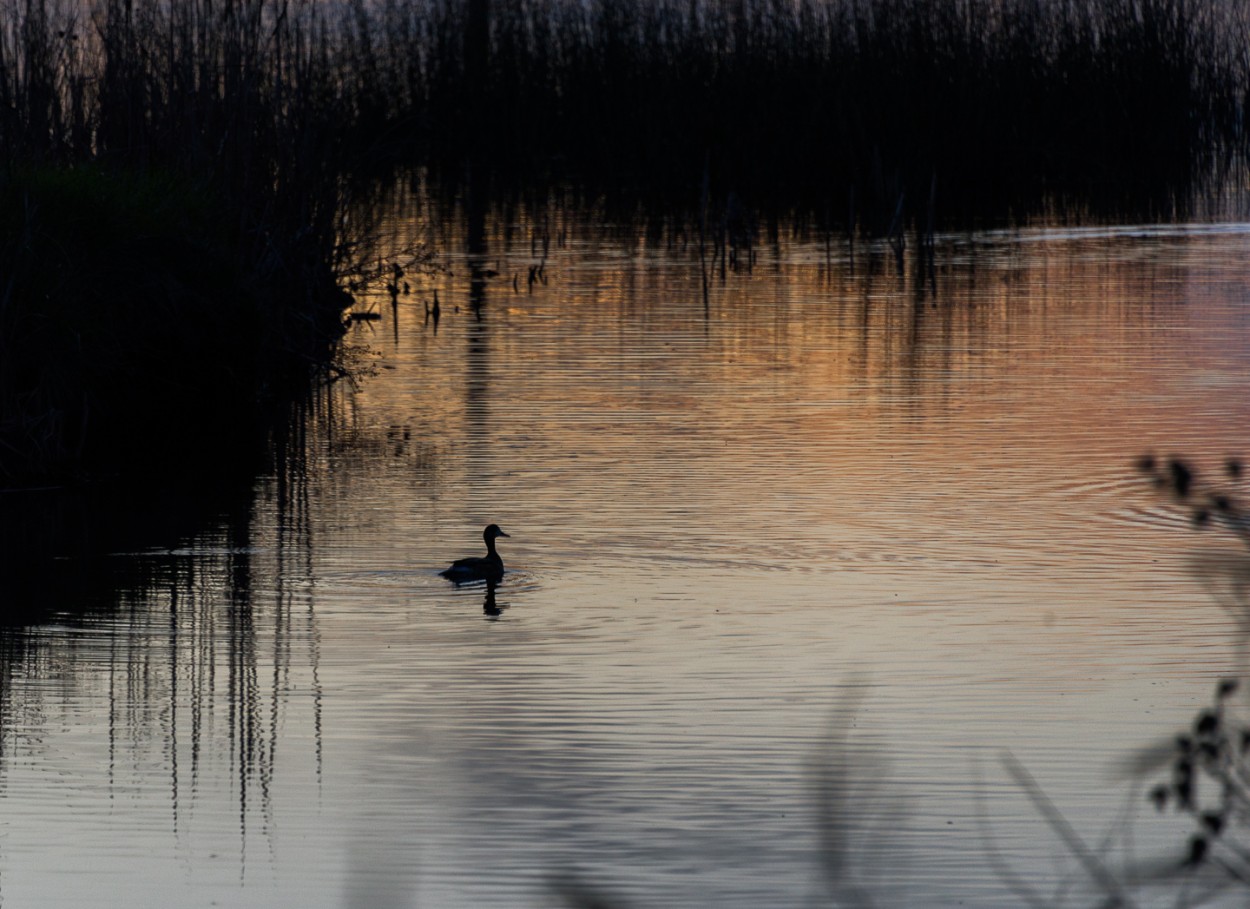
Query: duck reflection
[(490, 608)]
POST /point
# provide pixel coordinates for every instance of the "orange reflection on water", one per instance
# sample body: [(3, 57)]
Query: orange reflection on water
[(831, 484)]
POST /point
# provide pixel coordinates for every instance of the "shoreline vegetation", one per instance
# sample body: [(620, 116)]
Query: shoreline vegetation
[(870, 114), (175, 201), (140, 320), (177, 178)]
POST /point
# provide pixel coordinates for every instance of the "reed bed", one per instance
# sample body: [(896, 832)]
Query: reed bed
[(977, 107), (866, 114), (981, 105), (174, 195)]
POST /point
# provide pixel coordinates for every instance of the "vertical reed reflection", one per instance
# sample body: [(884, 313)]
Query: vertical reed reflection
[(203, 654), (476, 247), (294, 603), (477, 390), (12, 655)]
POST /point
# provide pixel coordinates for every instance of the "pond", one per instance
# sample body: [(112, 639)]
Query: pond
[(837, 586)]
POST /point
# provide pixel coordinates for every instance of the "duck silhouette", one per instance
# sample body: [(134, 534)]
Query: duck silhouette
[(479, 568)]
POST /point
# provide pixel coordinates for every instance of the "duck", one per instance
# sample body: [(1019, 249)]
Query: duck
[(479, 568)]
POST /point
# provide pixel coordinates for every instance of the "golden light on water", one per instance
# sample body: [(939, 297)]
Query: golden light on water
[(834, 485)]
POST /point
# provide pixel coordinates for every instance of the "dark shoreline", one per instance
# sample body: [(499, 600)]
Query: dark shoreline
[(141, 332)]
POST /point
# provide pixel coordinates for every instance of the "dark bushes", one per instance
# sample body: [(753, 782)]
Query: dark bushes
[(137, 321), (173, 189)]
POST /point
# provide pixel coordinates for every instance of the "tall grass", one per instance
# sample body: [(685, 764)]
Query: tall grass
[(174, 182), (869, 113), (997, 103)]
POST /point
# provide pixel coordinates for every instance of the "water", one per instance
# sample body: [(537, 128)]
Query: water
[(790, 574)]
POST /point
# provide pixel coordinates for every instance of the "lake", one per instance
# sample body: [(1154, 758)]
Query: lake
[(800, 576)]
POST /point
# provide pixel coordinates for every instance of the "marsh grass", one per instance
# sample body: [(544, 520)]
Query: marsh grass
[(138, 320), (855, 109), (979, 108), (1210, 783), (176, 204), (261, 123), (1206, 768), (1213, 499)]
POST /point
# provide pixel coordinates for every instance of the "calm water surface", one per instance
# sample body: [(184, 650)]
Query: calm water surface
[(789, 574)]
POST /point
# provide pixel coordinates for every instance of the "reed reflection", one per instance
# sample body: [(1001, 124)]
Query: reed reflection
[(478, 385), (899, 321), (197, 652), (476, 249)]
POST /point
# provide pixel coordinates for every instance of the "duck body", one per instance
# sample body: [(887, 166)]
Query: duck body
[(479, 568)]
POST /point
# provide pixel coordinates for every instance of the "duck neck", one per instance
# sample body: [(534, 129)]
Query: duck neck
[(490, 547)]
